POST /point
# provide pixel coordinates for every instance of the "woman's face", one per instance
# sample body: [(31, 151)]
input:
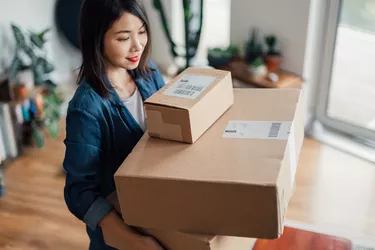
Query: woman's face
[(125, 41)]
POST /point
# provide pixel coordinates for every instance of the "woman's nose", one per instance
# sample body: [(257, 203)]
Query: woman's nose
[(137, 45)]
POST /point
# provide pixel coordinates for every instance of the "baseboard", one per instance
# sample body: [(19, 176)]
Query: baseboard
[(351, 145)]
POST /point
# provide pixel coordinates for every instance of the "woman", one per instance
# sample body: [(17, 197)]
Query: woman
[(105, 117)]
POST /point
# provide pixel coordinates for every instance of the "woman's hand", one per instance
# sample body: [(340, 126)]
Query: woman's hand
[(148, 243), (121, 236)]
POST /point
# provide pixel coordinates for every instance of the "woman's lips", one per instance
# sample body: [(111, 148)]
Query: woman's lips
[(133, 59)]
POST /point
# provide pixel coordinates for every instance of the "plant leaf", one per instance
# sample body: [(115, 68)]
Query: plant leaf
[(53, 128), (45, 65), (35, 39), (43, 33), (38, 137), (30, 53), (38, 73), (157, 4), (48, 67), (16, 63), (18, 35)]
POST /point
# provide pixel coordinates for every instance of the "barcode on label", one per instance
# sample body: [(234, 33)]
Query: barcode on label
[(274, 131), (190, 87), (196, 88), (183, 92)]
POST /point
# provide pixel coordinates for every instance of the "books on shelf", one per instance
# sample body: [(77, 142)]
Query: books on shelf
[(11, 120), (11, 130)]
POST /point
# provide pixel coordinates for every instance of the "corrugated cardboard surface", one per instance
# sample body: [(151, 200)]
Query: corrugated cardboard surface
[(183, 241), (184, 119), (218, 186)]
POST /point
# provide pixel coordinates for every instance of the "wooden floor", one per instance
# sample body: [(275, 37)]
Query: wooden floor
[(333, 190)]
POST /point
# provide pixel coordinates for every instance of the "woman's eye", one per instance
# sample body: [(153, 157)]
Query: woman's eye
[(122, 39), (142, 32)]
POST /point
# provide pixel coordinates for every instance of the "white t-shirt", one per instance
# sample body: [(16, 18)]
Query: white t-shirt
[(134, 104)]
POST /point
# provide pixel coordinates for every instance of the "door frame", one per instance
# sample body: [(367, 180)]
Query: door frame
[(332, 17)]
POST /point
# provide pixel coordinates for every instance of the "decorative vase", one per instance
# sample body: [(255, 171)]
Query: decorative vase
[(273, 62)]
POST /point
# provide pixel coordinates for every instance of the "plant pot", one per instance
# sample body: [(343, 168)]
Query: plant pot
[(258, 71), (273, 62), (20, 92)]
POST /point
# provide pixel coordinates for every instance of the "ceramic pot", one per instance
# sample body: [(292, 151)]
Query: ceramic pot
[(273, 63)]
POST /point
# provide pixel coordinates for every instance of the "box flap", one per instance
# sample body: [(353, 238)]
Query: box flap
[(175, 160), (188, 88)]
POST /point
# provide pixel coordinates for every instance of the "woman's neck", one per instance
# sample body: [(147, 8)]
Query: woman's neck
[(121, 81), (118, 76)]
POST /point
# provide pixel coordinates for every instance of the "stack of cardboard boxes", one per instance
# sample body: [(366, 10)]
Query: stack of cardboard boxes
[(216, 168)]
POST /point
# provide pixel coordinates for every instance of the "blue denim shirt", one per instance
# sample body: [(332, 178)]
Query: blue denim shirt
[(100, 133)]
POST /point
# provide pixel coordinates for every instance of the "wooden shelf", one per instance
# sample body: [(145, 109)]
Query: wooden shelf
[(239, 71)]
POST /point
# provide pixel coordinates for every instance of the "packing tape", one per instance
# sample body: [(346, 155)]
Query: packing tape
[(158, 128)]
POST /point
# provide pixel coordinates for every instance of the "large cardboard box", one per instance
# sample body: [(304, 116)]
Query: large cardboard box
[(236, 180), (182, 241), (187, 106)]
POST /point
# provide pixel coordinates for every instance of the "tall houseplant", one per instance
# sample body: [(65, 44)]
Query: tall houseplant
[(46, 102), (253, 48), (193, 23)]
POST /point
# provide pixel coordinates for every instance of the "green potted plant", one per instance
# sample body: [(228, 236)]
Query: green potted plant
[(43, 116), (273, 56), (257, 68)]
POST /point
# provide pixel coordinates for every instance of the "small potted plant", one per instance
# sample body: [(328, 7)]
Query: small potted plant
[(221, 56), (273, 56), (257, 68)]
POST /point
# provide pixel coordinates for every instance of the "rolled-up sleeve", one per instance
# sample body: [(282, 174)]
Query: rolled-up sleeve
[(83, 158)]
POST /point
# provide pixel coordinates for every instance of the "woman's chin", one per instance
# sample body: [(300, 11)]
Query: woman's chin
[(131, 65)]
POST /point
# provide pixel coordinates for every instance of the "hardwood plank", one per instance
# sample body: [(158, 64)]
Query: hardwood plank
[(33, 214), (334, 190)]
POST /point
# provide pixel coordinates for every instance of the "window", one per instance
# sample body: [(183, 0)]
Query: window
[(216, 26)]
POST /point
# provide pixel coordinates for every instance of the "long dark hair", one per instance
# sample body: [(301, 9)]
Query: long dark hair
[(96, 18)]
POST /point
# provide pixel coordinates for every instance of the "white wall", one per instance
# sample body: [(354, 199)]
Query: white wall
[(36, 15), (160, 45), (287, 19), (39, 14)]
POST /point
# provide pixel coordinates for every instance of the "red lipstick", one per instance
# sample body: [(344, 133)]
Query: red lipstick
[(133, 59)]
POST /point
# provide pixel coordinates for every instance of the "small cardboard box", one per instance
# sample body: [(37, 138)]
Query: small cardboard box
[(187, 106), (183, 241), (236, 180)]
